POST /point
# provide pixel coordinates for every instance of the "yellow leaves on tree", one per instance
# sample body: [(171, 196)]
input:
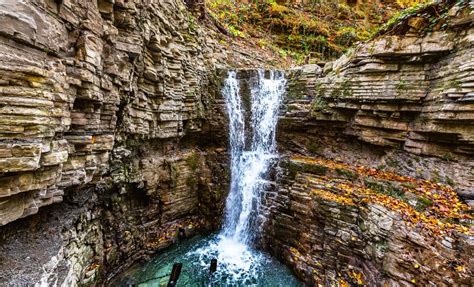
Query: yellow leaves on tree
[(302, 29)]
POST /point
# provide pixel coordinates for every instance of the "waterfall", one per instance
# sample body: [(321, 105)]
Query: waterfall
[(252, 150), (252, 125), (250, 162)]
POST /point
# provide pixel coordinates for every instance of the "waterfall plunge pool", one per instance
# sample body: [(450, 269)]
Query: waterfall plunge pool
[(237, 265), (252, 147)]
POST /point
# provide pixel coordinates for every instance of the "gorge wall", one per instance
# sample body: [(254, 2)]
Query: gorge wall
[(377, 184), (112, 135)]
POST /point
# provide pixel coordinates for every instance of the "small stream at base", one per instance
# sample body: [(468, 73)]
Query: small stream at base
[(252, 146), (195, 254)]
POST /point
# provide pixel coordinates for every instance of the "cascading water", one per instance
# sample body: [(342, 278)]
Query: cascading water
[(250, 161), (252, 148), (249, 164)]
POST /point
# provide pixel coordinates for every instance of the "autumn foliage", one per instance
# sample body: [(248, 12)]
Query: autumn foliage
[(434, 207), (307, 31)]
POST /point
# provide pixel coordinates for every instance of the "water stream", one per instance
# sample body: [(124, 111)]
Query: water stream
[(252, 148), (250, 161)]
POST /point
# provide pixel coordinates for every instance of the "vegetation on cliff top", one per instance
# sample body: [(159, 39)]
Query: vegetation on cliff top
[(426, 16), (306, 31)]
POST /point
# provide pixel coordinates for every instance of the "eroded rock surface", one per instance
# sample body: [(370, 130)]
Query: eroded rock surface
[(393, 206), (335, 224), (399, 98), (79, 77), (113, 137), (115, 106)]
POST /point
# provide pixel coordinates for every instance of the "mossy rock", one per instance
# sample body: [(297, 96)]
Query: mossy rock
[(346, 174), (294, 167)]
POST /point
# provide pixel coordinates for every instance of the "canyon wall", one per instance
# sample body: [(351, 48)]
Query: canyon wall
[(112, 134), (339, 224), (377, 183), (113, 146), (391, 99), (82, 78)]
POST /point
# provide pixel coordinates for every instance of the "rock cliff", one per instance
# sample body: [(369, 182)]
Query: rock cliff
[(334, 223), (377, 188), (113, 146), (79, 78), (397, 97), (112, 107)]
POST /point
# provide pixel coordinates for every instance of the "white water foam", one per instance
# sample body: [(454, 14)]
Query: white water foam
[(237, 260)]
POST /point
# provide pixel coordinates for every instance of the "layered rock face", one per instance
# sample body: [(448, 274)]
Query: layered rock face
[(79, 76), (111, 110), (334, 223), (113, 107), (383, 195), (410, 96), (98, 231)]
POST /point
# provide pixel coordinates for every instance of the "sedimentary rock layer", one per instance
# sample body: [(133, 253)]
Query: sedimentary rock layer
[(337, 224), (78, 77), (396, 116), (407, 93), (116, 103)]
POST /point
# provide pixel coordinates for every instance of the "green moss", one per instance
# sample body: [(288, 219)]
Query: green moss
[(387, 189), (435, 176), (422, 204), (312, 147), (449, 181), (392, 163), (315, 169), (452, 84), (291, 108), (336, 92), (346, 36), (381, 167), (409, 185), (401, 87), (291, 169), (193, 161), (400, 16), (294, 168), (320, 90), (346, 91), (382, 246), (191, 181), (319, 104), (342, 89), (174, 174), (447, 157), (346, 173)]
